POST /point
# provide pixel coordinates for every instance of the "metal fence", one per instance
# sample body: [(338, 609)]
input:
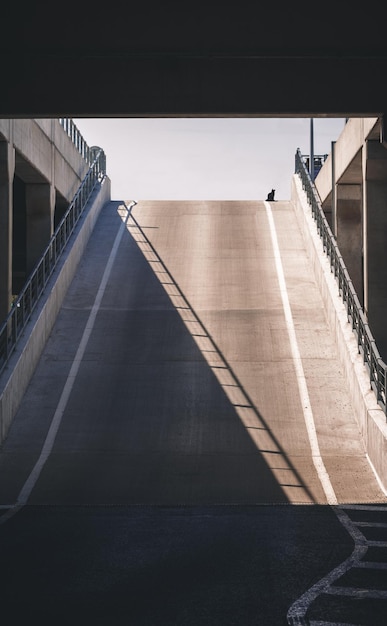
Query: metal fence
[(24, 305), (356, 316), (72, 131)]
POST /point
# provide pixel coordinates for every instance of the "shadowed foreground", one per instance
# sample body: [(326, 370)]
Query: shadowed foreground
[(165, 497)]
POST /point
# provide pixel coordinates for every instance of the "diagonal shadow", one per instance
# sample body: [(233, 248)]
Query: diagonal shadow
[(156, 415), (238, 396)]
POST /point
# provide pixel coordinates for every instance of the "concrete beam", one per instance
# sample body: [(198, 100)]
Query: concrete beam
[(150, 83), (193, 58), (347, 155)]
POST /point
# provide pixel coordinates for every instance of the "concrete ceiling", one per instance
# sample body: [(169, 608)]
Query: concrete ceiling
[(197, 58)]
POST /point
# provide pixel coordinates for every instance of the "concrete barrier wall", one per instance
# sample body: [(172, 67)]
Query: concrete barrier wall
[(15, 378), (47, 147), (348, 144), (370, 417)]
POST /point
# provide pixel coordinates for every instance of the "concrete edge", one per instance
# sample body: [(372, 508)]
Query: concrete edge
[(369, 415), (17, 375)]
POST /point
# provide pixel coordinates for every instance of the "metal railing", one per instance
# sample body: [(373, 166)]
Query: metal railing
[(355, 314), (23, 307), (72, 131)]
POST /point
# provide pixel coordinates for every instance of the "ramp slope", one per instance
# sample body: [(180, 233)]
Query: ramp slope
[(187, 391)]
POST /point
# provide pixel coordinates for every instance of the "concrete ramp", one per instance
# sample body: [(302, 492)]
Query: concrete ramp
[(185, 369)]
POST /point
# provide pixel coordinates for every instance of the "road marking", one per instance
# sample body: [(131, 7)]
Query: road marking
[(56, 421), (382, 487), (297, 612), (301, 380)]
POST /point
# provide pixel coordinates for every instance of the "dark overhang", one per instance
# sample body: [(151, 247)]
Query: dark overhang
[(198, 59)]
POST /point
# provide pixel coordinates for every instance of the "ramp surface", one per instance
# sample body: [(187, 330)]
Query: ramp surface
[(187, 391)]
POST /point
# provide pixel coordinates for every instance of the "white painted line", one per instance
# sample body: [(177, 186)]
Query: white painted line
[(371, 565), (370, 524), (56, 421), (382, 487), (357, 592), (319, 623), (377, 544), (301, 380), (298, 610)]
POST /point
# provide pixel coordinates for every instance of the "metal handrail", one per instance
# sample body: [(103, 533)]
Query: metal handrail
[(355, 314), (76, 137), (23, 307)]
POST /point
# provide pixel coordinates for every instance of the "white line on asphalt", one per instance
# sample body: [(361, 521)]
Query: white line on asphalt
[(382, 487), (301, 380), (56, 421)]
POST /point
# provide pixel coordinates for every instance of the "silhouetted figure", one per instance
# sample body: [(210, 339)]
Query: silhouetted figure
[(270, 195)]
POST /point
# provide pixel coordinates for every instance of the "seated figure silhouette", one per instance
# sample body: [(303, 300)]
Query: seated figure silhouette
[(270, 195)]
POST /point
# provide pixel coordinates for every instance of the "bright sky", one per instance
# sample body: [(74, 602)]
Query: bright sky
[(205, 158)]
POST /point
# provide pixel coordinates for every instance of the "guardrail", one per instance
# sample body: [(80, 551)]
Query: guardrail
[(72, 131), (23, 307), (355, 314)]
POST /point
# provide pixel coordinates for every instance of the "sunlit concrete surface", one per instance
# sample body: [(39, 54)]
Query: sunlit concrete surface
[(16, 376), (348, 145), (187, 392), (41, 169)]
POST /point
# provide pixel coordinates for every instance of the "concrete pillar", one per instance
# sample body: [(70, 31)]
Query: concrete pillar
[(40, 207), (350, 231), (333, 223), (376, 236), (7, 169), (365, 228)]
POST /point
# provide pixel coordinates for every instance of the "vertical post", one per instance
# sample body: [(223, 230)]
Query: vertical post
[(311, 160), (334, 194)]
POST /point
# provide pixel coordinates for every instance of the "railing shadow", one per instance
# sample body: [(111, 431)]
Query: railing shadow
[(263, 439), (157, 415)]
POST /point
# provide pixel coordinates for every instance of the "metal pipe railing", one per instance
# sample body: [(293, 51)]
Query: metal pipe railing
[(24, 305), (76, 137), (355, 314)]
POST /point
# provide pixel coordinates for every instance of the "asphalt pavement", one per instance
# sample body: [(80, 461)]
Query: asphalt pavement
[(165, 464)]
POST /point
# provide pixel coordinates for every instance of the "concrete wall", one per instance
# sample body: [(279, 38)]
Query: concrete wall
[(16, 377), (47, 148), (349, 232), (40, 171), (347, 147), (376, 229), (370, 417), (356, 207)]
